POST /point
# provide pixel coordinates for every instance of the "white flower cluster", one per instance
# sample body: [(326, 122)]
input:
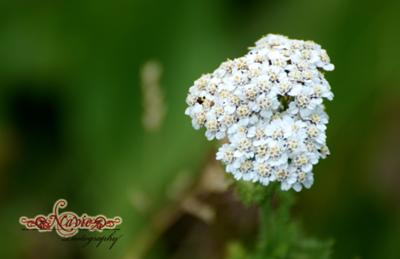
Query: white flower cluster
[(269, 106)]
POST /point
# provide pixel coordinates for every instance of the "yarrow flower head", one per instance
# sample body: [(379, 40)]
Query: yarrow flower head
[(268, 104)]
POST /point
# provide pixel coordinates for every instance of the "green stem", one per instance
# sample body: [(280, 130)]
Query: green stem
[(275, 225)]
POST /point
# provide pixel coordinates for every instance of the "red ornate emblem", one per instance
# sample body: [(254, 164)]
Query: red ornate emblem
[(68, 223)]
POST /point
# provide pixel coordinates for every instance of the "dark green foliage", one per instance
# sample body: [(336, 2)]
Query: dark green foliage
[(252, 193), (280, 236)]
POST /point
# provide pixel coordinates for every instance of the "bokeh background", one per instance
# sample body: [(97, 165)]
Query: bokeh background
[(92, 99)]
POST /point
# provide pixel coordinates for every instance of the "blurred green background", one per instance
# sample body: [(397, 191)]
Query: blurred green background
[(92, 99)]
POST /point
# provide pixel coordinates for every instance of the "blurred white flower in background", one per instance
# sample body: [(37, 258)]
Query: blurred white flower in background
[(153, 100), (269, 106)]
